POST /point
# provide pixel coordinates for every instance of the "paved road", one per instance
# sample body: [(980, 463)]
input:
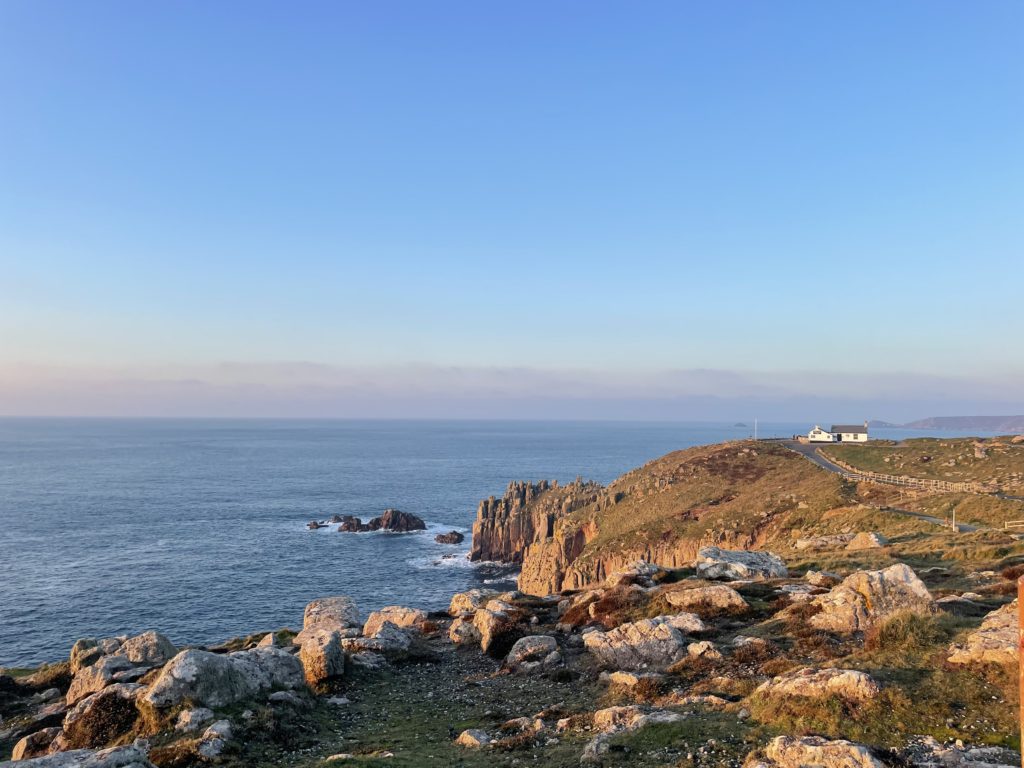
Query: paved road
[(810, 452)]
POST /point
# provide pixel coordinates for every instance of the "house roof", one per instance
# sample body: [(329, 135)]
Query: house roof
[(856, 429)]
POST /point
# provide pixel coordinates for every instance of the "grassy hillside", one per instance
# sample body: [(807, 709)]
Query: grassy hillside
[(999, 461)]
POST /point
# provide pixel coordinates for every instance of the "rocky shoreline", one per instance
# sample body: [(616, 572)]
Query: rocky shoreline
[(859, 649)]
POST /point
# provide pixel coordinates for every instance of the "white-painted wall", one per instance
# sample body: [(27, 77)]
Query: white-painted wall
[(819, 435)]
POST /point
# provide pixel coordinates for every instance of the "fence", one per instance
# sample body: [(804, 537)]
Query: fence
[(852, 473)]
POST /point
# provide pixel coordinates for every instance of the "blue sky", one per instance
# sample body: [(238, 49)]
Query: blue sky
[(518, 192)]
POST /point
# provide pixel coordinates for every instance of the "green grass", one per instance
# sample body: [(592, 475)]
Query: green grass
[(951, 459)]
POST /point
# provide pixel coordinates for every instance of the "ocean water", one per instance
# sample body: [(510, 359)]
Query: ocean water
[(197, 528)]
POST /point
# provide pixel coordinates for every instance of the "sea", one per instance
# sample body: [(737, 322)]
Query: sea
[(197, 528)]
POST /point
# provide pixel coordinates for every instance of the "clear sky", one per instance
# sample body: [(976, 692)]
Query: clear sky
[(388, 202)]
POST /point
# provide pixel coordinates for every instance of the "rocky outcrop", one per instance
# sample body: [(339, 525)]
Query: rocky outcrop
[(101, 718), (734, 565), (712, 598), (650, 643), (35, 744), (401, 617), (806, 751), (995, 641), (867, 540), (393, 520), (846, 684), (467, 603), (214, 680), (616, 720), (866, 598), (321, 656), (452, 537), (532, 653), (505, 527), (149, 648), (116, 757), (337, 614)]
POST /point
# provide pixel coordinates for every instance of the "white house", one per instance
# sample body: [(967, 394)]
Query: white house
[(850, 433), (819, 435), (840, 433)]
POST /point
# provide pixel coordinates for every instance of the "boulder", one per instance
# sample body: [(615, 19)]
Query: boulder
[(322, 656), (35, 744), (704, 649), (615, 720), (866, 598), (473, 738), (392, 520), (640, 572), (213, 680), (629, 679), (337, 613), (467, 603), (388, 640), (717, 597), (103, 717), (493, 623), (192, 719), (398, 522), (90, 679), (995, 641), (733, 565), (84, 653), (150, 648), (464, 632), (650, 643), (214, 739), (117, 757), (822, 579), (452, 537), (807, 751), (531, 653), (867, 540), (403, 618), (847, 684)]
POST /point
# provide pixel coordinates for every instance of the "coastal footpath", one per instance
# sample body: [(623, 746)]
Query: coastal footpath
[(724, 605)]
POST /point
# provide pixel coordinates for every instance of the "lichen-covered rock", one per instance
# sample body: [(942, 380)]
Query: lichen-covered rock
[(322, 656), (464, 632), (534, 652), (640, 572), (822, 579), (35, 744), (148, 648), (96, 677), (192, 719), (847, 684), (388, 640), (717, 597), (866, 598), (650, 643), (331, 613), (103, 717), (401, 617), (116, 757), (493, 623), (995, 641), (473, 738), (867, 540), (704, 649), (612, 721), (816, 752), (212, 680), (736, 564), (467, 603)]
